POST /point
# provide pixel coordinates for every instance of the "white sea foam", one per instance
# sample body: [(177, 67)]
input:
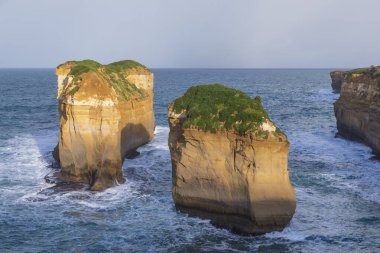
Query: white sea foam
[(337, 185), (23, 163), (26, 160), (343, 160)]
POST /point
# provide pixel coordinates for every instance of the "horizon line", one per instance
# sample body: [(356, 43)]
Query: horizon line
[(205, 68)]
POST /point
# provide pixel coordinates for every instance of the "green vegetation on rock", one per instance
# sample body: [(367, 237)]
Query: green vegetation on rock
[(217, 107), (373, 71), (113, 73), (358, 71)]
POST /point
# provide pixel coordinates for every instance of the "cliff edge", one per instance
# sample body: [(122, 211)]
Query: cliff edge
[(106, 112), (229, 160), (357, 110), (337, 78)]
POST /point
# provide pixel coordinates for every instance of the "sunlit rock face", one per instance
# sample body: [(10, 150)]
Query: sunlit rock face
[(357, 110), (229, 161), (106, 112)]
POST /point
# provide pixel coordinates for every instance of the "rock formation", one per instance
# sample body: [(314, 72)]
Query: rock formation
[(106, 112), (229, 161), (357, 110), (337, 78)]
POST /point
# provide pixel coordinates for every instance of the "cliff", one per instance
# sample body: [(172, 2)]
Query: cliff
[(229, 161), (106, 112), (357, 110), (337, 78)]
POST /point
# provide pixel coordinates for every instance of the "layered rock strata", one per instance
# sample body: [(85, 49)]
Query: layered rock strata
[(357, 110), (229, 161), (106, 112), (337, 78)]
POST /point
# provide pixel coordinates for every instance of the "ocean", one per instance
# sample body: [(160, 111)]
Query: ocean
[(337, 181)]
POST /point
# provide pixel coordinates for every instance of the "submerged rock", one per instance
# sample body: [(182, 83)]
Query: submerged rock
[(357, 110), (229, 161), (337, 78), (106, 112)]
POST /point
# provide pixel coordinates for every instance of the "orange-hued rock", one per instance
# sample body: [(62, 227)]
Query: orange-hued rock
[(239, 181), (106, 112), (357, 110)]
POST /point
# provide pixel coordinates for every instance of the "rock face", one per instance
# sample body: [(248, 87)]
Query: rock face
[(106, 112), (337, 78), (357, 110), (229, 161)]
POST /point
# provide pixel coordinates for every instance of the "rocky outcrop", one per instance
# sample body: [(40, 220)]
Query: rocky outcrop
[(357, 110), (337, 78), (106, 112), (229, 161)]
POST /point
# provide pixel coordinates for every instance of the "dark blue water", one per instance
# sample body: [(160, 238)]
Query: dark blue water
[(336, 181)]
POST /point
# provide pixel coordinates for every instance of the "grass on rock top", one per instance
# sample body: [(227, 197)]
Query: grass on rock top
[(113, 73), (358, 71), (373, 71), (217, 107)]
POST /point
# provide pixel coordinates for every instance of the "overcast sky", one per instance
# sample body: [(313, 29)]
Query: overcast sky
[(196, 33)]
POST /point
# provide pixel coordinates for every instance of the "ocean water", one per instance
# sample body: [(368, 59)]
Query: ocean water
[(337, 181)]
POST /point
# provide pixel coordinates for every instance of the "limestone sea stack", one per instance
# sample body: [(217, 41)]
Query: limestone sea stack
[(229, 161), (357, 110), (106, 112), (337, 78)]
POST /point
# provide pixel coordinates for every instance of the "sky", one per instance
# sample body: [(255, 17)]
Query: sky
[(192, 34)]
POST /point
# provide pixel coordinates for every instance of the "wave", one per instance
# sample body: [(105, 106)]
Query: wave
[(343, 169), (26, 160)]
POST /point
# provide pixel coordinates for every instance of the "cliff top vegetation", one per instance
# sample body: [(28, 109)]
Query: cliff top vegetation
[(358, 71), (114, 73), (373, 71), (217, 107)]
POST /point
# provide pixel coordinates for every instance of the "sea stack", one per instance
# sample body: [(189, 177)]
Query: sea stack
[(337, 78), (229, 161), (106, 112), (357, 110)]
